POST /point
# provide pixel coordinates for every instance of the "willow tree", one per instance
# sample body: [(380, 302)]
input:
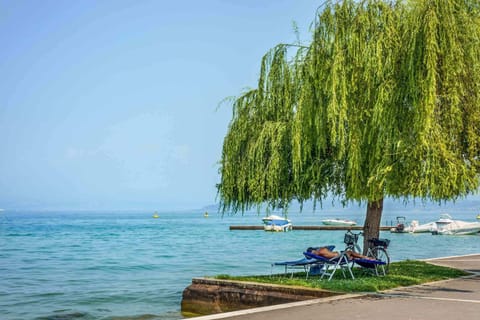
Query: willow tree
[(384, 102)]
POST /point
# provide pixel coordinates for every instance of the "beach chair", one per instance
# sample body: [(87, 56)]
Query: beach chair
[(331, 266), (377, 267), (310, 266), (293, 265)]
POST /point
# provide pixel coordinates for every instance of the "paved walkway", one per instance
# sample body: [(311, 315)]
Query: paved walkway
[(450, 299)]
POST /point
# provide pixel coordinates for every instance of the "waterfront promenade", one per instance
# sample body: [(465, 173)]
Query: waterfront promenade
[(448, 299)]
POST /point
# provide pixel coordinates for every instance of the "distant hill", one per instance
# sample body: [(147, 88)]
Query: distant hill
[(471, 203)]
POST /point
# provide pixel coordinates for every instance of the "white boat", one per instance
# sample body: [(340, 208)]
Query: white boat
[(338, 222), (276, 223), (415, 227), (447, 226)]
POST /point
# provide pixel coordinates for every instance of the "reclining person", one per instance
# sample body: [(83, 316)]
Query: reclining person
[(326, 253)]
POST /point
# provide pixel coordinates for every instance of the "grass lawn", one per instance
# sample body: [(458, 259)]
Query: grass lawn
[(404, 273)]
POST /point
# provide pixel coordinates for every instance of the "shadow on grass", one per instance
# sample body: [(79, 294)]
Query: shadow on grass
[(401, 274)]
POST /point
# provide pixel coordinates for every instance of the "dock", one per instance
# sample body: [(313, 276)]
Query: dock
[(317, 228)]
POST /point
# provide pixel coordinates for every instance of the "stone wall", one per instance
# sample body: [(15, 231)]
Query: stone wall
[(207, 296)]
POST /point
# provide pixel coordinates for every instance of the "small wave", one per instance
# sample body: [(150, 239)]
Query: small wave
[(62, 315), (19, 234), (138, 317), (122, 268)]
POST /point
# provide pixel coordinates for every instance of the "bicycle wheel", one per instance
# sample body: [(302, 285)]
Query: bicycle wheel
[(381, 254)]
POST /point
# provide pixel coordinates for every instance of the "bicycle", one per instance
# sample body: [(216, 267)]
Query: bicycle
[(377, 251)]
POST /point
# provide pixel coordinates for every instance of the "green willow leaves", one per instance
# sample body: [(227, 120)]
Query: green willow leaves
[(385, 101)]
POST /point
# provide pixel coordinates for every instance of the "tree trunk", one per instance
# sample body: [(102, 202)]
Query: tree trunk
[(371, 227)]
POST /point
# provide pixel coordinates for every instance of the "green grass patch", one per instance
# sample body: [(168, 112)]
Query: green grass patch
[(403, 273)]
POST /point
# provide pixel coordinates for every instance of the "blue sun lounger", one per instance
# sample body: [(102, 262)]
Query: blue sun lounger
[(308, 265), (332, 265), (291, 266), (376, 266)]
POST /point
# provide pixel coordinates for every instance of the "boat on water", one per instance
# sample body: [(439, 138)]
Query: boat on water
[(400, 227), (445, 225), (338, 222), (416, 227), (276, 223), (155, 215), (413, 227)]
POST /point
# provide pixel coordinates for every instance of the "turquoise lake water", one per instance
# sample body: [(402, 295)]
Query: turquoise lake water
[(127, 265)]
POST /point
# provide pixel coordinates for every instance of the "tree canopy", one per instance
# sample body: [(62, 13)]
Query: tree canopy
[(384, 101)]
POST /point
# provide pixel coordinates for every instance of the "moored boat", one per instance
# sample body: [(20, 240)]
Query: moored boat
[(338, 222), (415, 227), (276, 223), (400, 227), (445, 225)]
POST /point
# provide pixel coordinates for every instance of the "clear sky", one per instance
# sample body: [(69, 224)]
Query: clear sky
[(113, 104)]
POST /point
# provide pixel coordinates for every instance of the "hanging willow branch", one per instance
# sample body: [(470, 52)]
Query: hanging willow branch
[(256, 163), (384, 102)]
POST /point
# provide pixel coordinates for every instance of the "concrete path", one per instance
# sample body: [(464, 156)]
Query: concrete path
[(450, 299)]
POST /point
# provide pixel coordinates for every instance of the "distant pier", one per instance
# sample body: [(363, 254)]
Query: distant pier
[(329, 228)]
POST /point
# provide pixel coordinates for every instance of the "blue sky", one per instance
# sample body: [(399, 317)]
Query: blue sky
[(113, 104)]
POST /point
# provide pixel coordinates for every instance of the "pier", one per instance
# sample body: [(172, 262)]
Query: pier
[(317, 228)]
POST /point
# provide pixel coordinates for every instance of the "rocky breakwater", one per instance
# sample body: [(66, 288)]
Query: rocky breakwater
[(208, 296)]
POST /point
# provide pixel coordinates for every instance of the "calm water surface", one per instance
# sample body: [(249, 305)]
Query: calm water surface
[(77, 265)]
